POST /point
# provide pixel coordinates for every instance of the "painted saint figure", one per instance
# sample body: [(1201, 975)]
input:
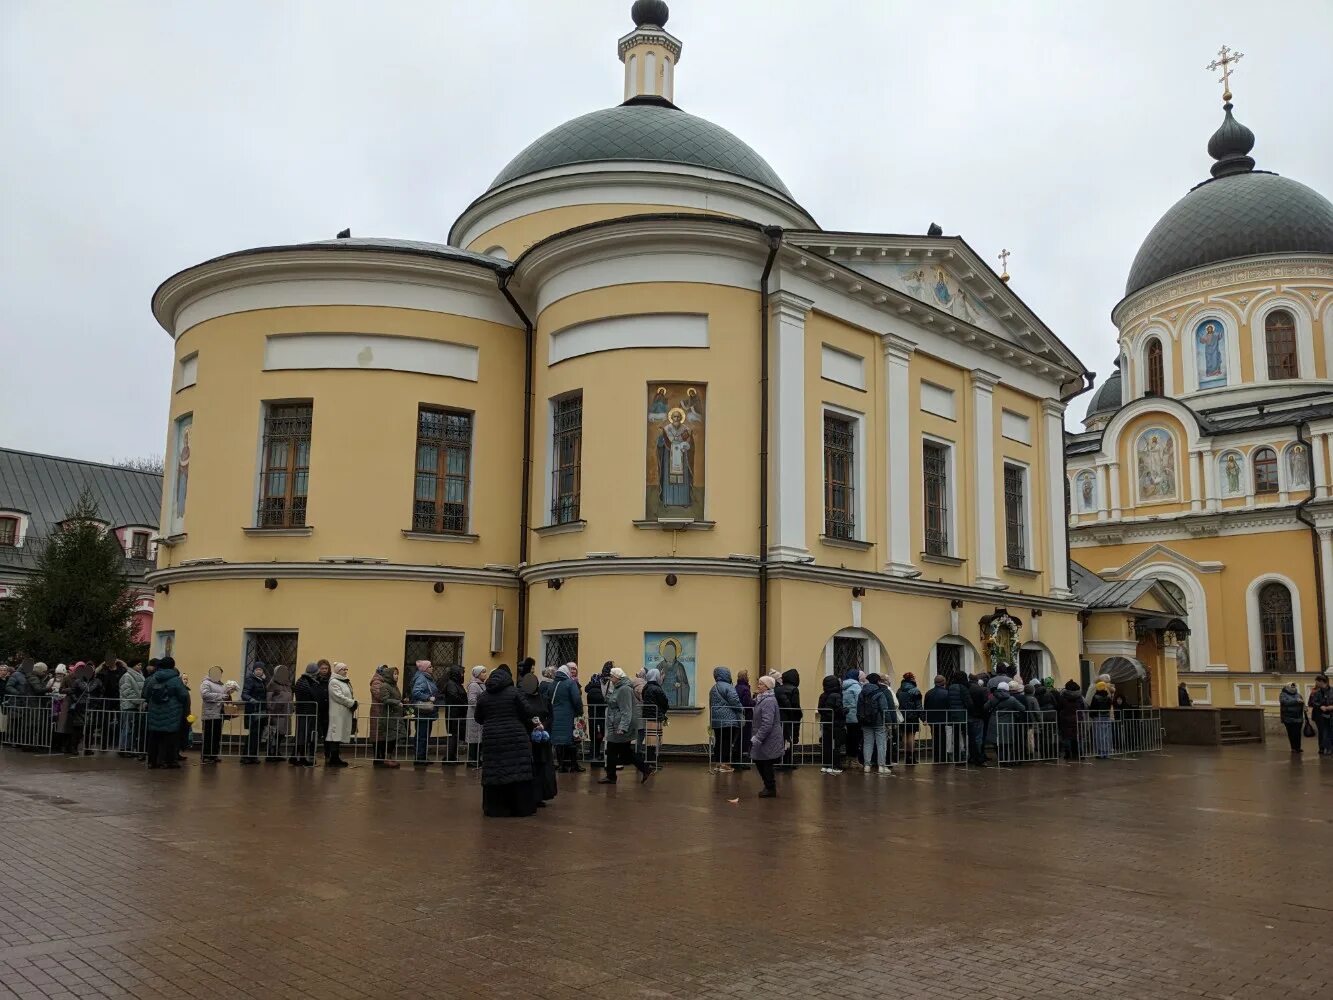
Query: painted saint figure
[(674, 461), (182, 470), (675, 678), (1085, 485), (1298, 469), (1157, 465), (1212, 340), (1233, 476)]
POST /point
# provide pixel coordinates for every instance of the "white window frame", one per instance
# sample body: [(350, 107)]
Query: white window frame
[(951, 454), (1200, 692), (187, 368), (1026, 470), (547, 634), (1305, 366), (21, 531), (859, 465), (1254, 623), (1249, 697)]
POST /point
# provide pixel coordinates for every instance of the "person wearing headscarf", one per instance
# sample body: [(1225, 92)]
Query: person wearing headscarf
[(476, 687), (254, 693), (1321, 709), (547, 686), (1069, 704), (1291, 710), (655, 708), (1099, 710), (566, 706), (725, 718), (78, 695), (131, 711), (528, 682), (832, 726), (307, 693), (425, 693), (212, 694), (454, 698), (768, 742), (279, 692), (594, 696), (168, 701), (622, 723), (386, 709), (507, 721), (59, 710), (342, 716)]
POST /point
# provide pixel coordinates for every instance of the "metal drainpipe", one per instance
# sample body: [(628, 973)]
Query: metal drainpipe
[(1302, 429), (502, 277), (774, 234)]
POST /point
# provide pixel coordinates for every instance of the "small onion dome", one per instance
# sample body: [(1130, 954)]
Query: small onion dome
[(1230, 146), (654, 12), (1107, 398)]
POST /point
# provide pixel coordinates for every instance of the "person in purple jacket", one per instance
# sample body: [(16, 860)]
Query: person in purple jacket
[(767, 743)]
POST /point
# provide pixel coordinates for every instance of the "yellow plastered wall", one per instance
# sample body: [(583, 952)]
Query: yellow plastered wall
[(363, 623), (517, 235), (1032, 455), (958, 433), (362, 457), (615, 402)]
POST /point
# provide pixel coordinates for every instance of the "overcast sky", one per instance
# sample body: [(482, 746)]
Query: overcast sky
[(142, 137)]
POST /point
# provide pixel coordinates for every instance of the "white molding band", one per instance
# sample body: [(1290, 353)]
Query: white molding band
[(370, 352), (843, 367), (898, 489), (205, 572), (617, 333), (788, 313)]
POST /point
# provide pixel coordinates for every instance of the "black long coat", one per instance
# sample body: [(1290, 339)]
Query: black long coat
[(505, 717)]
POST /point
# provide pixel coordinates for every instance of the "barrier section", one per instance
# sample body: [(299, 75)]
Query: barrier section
[(1019, 741), (1127, 732), (29, 723)]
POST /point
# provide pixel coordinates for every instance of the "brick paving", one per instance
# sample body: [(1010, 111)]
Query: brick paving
[(1195, 873)]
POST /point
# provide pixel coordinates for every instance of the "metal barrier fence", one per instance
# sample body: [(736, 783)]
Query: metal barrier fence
[(1126, 732), (1019, 741)]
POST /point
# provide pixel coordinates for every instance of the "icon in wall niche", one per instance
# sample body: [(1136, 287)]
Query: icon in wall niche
[(181, 473), (672, 654), (1298, 467), (1087, 492), (1232, 474), (677, 418), (1210, 353), (1156, 465)]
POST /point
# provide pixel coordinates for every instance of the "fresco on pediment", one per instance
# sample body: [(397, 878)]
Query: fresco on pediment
[(934, 285), (1156, 454)]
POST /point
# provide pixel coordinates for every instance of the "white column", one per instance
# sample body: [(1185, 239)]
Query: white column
[(1196, 481), (1326, 559), (1103, 491), (1053, 424), (897, 479), (1115, 489), (1318, 442), (786, 446), (983, 475), (1211, 494)]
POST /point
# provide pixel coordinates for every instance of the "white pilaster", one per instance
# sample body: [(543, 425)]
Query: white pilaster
[(1103, 491), (983, 474), (786, 446), (1317, 445), (1211, 494), (898, 481), (1053, 424), (1196, 480), (1115, 490), (1326, 559)]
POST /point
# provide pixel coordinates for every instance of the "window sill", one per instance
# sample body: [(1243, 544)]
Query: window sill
[(1023, 571), (847, 543), (433, 536), (168, 541), (302, 531), (564, 528), (675, 524), (942, 560)]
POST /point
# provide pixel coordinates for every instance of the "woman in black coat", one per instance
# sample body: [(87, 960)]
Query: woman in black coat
[(506, 720)]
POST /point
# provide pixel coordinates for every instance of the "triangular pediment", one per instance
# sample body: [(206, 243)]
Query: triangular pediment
[(1159, 552)]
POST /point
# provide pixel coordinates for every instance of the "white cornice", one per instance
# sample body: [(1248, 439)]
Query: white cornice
[(331, 571), (649, 34), (1181, 527)]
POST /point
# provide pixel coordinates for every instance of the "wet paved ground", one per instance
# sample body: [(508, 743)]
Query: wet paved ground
[(1191, 874)]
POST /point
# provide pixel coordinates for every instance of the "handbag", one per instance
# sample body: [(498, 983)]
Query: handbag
[(580, 731), (1308, 730)]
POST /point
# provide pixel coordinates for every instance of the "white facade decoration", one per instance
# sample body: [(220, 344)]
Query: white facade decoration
[(366, 351), (618, 333)]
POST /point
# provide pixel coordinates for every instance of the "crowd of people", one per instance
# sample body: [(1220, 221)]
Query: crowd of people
[(523, 730)]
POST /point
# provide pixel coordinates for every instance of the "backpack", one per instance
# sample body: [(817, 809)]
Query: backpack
[(869, 707)]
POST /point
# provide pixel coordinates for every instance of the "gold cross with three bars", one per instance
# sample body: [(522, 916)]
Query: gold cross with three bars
[(1225, 61), (1004, 256)]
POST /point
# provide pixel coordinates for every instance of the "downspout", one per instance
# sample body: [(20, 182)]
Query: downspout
[(774, 234), (525, 490), (1302, 429)]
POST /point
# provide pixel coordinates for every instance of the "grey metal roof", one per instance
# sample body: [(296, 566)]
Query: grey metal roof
[(1238, 215), (1119, 593), (441, 250), (1107, 398), (1216, 422), (46, 488), (649, 129)]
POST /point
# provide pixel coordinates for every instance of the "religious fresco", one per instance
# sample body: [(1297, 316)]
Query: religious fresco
[(1156, 461), (675, 472), (1210, 343), (1298, 468), (1085, 491), (181, 472), (932, 284), (672, 654), (1232, 468)]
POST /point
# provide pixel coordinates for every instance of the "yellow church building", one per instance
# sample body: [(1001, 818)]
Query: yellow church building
[(1205, 462), (640, 408)]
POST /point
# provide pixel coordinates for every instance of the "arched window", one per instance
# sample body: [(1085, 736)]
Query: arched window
[(1276, 626), (1155, 381), (1265, 471), (1280, 338)]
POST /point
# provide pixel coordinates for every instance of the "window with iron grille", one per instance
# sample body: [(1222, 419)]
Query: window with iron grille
[(948, 658), (848, 653), (444, 459), (935, 474), (1275, 623), (1015, 516), (443, 652), (839, 476), (566, 457), (1029, 664), (139, 545), (1156, 381), (271, 649), (559, 648), (9, 531), (286, 473), (1280, 339), (1265, 471)]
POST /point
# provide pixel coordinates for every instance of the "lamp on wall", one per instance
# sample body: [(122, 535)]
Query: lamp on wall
[(956, 605), (162, 588), (858, 592), (555, 583), (270, 584), (438, 588)]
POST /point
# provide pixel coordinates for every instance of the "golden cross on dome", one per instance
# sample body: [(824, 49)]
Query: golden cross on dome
[(1004, 256), (1226, 58)]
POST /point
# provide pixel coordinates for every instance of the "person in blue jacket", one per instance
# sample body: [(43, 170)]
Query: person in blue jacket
[(566, 706), (424, 694), (167, 699)]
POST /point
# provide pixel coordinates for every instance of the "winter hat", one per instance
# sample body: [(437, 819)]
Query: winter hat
[(1102, 686), (422, 664), (1072, 686), (61, 670), (872, 678), (653, 675), (617, 673), (340, 669), (311, 669), (1048, 681), (767, 683), (1003, 686), (39, 668), (215, 673), (478, 671), (168, 663), (563, 672)]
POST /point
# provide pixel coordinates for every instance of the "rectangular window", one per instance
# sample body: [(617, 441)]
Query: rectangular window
[(9, 531), (1265, 471), (848, 653), (559, 648), (935, 475), (566, 457), (839, 476), (443, 651), (139, 545), (1015, 516), (286, 465), (271, 649), (444, 460)]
